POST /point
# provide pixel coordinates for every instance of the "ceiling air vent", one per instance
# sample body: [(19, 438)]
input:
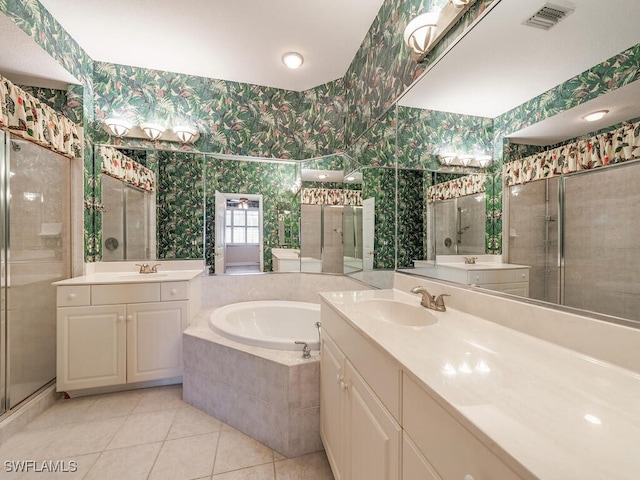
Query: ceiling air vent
[(548, 16)]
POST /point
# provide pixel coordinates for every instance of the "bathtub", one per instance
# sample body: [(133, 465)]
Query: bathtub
[(269, 324)]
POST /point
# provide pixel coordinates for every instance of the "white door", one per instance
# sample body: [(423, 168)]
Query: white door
[(368, 232), (154, 340), (91, 345), (221, 207)]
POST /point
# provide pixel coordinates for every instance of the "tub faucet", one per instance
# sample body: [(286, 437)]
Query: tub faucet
[(429, 301), (306, 349)]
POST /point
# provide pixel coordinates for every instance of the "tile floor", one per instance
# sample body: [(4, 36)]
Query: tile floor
[(148, 434)]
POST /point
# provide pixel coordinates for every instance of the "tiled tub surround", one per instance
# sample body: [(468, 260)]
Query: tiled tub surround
[(543, 411), (270, 395)]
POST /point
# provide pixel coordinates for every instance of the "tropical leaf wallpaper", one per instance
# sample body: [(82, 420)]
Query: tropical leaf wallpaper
[(270, 179), (232, 118), (411, 216), (380, 183), (179, 205)]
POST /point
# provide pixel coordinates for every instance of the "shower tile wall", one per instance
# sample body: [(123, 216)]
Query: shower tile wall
[(602, 241), (528, 234), (311, 231), (332, 255)]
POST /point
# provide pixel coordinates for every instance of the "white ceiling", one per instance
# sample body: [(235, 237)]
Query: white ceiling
[(25, 63), (501, 63), (235, 40)]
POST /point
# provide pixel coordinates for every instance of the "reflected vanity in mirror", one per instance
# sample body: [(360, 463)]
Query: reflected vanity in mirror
[(567, 214)]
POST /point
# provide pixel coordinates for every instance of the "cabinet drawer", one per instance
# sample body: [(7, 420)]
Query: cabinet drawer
[(174, 291), (449, 447), (121, 293), (73, 296)]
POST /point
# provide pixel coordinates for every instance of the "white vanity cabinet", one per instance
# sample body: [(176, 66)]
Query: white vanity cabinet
[(376, 422), (116, 334), (362, 439)]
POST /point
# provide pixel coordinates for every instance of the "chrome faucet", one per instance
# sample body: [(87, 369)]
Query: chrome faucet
[(429, 301), (306, 349), (145, 268), (470, 260)]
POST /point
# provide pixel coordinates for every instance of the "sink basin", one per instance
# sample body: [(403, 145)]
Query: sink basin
[(398, 313), (142, 276)]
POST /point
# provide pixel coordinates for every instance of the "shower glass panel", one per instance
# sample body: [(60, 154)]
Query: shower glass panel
[(4, 154), (38, 251), (137, 223), (602, 241), (533, 235)]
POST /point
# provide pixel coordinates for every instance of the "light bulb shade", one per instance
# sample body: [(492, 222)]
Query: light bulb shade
[(483, 160), (118, 127), (420, 31), (465, 160), (185, 133), (152, 130), (292, 60), (595, 116), (447, 159)]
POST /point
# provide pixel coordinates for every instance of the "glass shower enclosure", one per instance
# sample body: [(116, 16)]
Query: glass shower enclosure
[(35, 250)]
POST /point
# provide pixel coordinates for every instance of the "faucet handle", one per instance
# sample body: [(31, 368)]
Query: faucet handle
[(306, 349), (154, 269), (439, 302), (143, 267)]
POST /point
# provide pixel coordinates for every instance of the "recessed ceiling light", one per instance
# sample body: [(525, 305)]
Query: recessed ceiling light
[(292, 60), (595, 116)]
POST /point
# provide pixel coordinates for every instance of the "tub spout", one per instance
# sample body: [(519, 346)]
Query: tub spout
[(306, 349)]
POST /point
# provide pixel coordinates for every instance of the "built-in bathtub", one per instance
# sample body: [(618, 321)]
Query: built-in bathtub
[(269, 323), (270, 394)]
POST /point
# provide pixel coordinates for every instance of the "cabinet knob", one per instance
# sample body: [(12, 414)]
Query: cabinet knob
[(129, 318), (523, 275), (338, 378), (71, 296), (344, 387), (468, 477), (174, 291), (120, 318)]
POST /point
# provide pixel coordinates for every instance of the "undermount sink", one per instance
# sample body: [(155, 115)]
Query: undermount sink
[(398, 313), (142, 276)]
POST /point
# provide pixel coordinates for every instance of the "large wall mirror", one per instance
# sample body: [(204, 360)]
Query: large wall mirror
[(558, 223)]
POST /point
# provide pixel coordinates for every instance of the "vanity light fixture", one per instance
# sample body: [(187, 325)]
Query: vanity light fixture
[(595, 116), (459, 3), (419, 33), (322, 176), (185, 133), (292, 60), (118, 127), (152, 130)]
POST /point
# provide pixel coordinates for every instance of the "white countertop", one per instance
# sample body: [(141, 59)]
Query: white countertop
[(532, 400), (481, 266), (132, 277)]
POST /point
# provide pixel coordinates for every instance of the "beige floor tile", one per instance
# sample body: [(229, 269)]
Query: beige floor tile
[(277, 457), (64, 411), (313, 466), (161, 398), (261, 472), (191, 421), (236, 450), (186, 458), (143, 428), (129, 463), (113, 405)]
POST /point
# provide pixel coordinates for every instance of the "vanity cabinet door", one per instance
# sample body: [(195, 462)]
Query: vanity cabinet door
[(154, 340), (332, 404), (373, 437), (91, 347)]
